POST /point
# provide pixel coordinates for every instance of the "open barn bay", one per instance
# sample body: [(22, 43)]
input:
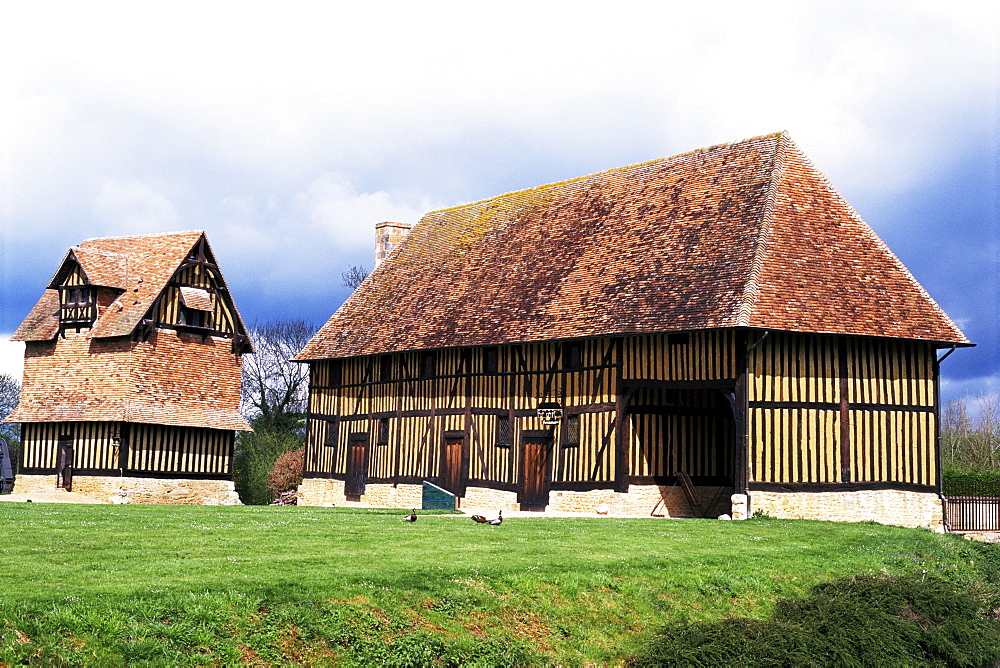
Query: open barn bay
[(179, 585)]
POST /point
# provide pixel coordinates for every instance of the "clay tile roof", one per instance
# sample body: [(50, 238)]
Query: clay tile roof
[(102, 268), (139, 265), (168, 379), (196, 298), (747, 234)]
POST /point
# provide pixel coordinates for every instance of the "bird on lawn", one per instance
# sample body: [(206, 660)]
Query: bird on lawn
[(412, 517), (479, 519)]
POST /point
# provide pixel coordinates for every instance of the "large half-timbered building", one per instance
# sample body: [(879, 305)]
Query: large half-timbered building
[(721, 316), (132, 371)]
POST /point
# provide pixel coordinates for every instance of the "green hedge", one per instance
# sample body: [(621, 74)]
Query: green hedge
[(958, 481)]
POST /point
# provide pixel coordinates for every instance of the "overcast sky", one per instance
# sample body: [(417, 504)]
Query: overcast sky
[(287, 130)]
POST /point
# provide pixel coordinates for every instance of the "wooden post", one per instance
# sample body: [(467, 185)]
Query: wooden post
[(123, 447), (845, 412), (938, 476), (741, 457), (622, 433)]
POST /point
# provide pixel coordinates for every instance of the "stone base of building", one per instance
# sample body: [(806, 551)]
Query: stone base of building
[(328, 492), (644, 501), (488, 501), (640, 500), (113, 489), (888, 506)]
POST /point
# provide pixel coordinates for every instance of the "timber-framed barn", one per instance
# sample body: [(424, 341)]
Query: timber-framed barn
[(722, 316), (132, 374)]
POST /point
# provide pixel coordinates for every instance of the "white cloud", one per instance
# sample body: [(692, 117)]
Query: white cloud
[(133, 208), (11, 357), (326, 227), (315, 82), (338, 212)]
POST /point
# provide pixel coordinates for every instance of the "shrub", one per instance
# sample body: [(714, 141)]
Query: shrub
[(865, 620), (287, 471), (254, 458)]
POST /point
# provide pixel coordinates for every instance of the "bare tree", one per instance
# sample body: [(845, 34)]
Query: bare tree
[(10, 394), (274, 388), (275, 399), (354, 276), (956, 425), (968, 441)]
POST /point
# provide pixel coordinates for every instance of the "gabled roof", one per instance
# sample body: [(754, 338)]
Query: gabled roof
[(747, 234), (140, 266), (101, 373)]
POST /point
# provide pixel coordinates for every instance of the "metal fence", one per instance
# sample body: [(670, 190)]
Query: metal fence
[(972, 505)]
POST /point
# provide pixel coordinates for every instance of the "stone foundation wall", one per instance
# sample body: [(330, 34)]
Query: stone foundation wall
[(328, 492), (896, 507), (640, 500), (35, 484), (488, 501), (113, 489), (321, 492), (909, 509), (643, 501)]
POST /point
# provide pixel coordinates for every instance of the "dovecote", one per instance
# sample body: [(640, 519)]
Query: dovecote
[(132, 373)]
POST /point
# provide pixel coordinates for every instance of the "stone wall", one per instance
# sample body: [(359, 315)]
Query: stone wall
[(906, 509), (640, 500), (644, 501), (113, 489), (328, 492), (488, 501)]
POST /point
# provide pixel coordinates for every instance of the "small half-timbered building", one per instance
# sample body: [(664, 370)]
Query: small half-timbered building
[(132, 370), (712, 333)]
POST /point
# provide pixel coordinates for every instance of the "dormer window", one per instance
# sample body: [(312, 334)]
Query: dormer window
[(77, 306), (193, 317), (195, 308)]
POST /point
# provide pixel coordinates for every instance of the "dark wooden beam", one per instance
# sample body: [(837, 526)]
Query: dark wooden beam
[(623, 433), (845, 412), (741, 456), (801, 487)]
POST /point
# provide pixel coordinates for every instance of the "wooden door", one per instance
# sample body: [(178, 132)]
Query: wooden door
[(453, 476), (535, 470), (64, 463), (357, 465)]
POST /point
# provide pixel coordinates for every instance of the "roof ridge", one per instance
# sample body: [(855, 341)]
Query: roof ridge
[(751, 289), (613, 170), (143, 236)]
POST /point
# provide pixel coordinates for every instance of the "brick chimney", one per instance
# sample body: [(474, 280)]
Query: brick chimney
[(387, 237)]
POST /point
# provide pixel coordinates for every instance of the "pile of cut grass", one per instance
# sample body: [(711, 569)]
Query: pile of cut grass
[(201, 585)]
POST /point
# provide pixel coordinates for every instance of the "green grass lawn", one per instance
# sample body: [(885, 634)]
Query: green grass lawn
[(180, 585)]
